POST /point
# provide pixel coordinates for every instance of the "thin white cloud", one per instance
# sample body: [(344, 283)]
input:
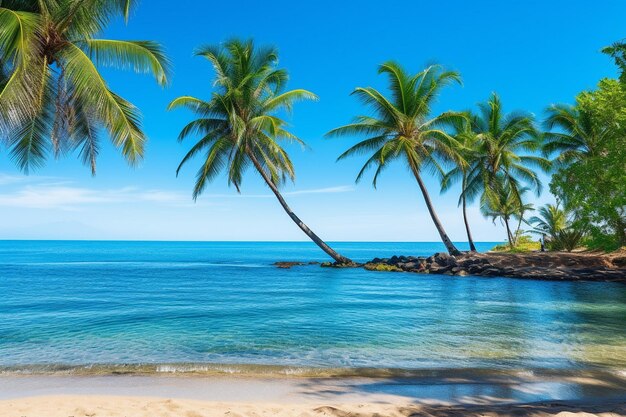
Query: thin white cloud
[(70, 198), (54, 193), (8, 179)]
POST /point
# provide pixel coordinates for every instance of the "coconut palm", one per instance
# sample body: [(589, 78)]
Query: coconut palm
[(551, 220), (555, 224), (505, 153), (578, 135), (466, 153), (52, 96), (403, 128), (241, 125), (504, 202)]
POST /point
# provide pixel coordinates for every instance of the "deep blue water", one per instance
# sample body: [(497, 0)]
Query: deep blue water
[(81, 303)]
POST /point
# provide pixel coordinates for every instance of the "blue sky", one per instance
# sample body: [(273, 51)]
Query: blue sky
[(532, 53)]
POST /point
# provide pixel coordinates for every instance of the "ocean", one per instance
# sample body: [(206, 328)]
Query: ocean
[(212, 307)]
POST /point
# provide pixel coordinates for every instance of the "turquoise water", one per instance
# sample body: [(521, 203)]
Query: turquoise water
[(179, 305)]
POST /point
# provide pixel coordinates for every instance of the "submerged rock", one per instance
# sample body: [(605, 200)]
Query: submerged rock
[(288, 264), (382, 267)]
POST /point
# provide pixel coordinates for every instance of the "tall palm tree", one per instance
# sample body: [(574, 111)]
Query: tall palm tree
[(577, 135), (403, 128), (52, 96), (241, 125), (505, 153), (467, 140)]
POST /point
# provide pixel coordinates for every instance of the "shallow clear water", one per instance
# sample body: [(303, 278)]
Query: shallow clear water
[(81, 303)]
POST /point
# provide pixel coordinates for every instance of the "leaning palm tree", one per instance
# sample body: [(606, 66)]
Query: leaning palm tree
[(466, 154), (505, 153), (403, 128), (52, 96), (577, 134), (241, 125)]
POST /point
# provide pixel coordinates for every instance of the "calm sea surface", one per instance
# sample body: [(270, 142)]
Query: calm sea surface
[(184, 305)]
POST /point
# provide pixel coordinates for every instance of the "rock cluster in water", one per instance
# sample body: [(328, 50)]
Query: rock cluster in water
[(536, 266)]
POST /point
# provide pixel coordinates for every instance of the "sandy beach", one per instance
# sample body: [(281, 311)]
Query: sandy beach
[(103, 406), (195, 396)]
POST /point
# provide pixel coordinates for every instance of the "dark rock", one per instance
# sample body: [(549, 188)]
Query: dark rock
[(444, 259), (287, 265), (475, 269), (491, 272), (409, 266)]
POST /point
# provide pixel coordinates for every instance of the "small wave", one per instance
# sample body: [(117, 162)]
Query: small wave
[(269, 371)]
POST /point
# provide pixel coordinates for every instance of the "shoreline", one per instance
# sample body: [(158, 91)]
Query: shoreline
[(195, 396), (261, 371), (462, 388), (548, 266)]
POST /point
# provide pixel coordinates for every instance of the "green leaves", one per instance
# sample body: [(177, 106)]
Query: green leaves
[(17, 29), (19, 54), (141, 56), (590, 142), (402, 127), (52, 96), (241, 121), (118, 116)]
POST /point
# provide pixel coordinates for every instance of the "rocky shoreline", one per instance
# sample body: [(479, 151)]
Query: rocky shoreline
[(555, 266)]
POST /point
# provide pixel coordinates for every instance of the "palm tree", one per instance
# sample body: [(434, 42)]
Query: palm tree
[(551, 220), (556, 224), (240, 125), (505, 151), (52, 96), (403, 129), (578, 133), (466, 153), (504, 202)]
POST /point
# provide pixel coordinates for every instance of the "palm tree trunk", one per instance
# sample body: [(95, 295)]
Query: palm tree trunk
[(467, 228), (452, 250), (319, 242), (508, 232)]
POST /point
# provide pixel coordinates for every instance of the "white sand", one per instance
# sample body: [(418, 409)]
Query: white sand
[(103, 406), (175, 396)]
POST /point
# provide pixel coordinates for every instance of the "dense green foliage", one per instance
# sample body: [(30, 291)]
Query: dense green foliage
[(592, 179), (52, 96), (523, 243), (497, 159), (555, 225)]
